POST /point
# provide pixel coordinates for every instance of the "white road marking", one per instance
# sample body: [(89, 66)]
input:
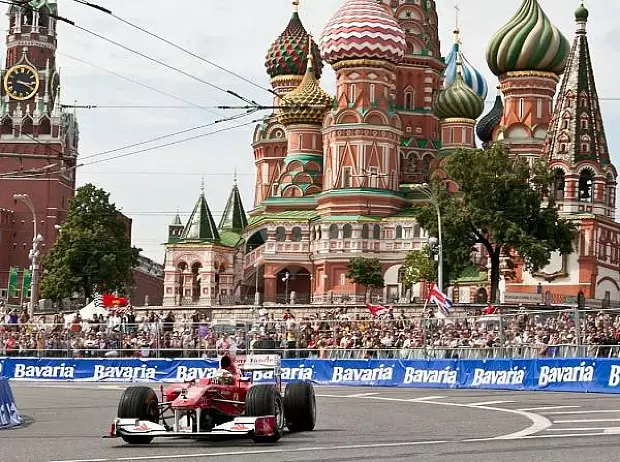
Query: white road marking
[(585, 421), (488, 403), (426, 398), (585, 429), (264, 451), (547, 408), (601, 411), (361, 395), (539, 422)]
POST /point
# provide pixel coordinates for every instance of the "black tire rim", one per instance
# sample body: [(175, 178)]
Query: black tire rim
[(152, 411)]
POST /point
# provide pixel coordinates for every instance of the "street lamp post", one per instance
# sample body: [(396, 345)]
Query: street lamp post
[(425, 189), (34, 251), (285, 279), (256, 294)]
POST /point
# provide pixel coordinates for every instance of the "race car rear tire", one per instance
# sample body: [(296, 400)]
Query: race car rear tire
[(300, 406), (264, 400), (139, 403)]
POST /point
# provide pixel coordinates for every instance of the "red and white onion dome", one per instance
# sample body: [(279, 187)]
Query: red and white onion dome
[(363, 29)]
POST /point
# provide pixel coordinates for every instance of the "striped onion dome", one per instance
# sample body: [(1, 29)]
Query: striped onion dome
[(307, 103), (458, 101), (528, 42), (472, 77), (288, 54), (487, 125), (363, 29)]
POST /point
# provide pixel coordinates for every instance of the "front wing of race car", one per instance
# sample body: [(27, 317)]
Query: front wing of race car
[(256, 426)]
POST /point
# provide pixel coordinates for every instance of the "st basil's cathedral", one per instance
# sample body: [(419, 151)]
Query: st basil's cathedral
[(337, 176)]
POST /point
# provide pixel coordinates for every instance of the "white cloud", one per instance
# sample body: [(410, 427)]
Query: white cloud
[(235, 35)]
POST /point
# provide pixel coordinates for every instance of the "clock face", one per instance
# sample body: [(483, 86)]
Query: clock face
[(21, 82)]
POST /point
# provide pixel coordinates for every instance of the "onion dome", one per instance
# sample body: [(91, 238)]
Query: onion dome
[(307, 103), (458, 101), (363, 29), (288, 54), (487, 125), (528, 42), (582, 13), (472, 77)]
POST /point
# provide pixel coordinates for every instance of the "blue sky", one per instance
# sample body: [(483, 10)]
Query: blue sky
[(150, 186)]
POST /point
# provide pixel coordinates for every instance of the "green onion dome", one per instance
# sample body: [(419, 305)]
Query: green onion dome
[(582, 13), (528, 42), (458, 101), (308, 103), (288, 54)]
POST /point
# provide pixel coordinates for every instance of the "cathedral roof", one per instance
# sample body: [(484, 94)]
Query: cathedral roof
[(307, 103), (200, 226), (177, 220), (363, 29), (458, 101), (288, 54), (576, 131), (234, 218), (528, 42), (487, 125), (472, 77)]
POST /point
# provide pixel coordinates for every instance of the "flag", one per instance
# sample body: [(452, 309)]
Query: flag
[(440, 299), (13, 288), (378, 310), (98, 301)]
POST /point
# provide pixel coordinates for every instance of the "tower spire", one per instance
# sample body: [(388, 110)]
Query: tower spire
[(295, 6), (202, 186)]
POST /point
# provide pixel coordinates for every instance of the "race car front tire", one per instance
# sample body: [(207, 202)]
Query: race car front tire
[(139, 403), (300, 406), (264, 400)]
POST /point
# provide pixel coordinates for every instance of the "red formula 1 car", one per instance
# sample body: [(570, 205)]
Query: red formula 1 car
[(226, 404)]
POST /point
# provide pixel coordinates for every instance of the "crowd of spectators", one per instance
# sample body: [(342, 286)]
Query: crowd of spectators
[(324, 334)]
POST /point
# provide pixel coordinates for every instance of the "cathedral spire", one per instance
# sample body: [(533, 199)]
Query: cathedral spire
[(576, 133), (234, 218), (201, 226)]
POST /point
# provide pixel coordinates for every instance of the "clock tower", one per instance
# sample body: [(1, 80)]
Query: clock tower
[(38, 140)]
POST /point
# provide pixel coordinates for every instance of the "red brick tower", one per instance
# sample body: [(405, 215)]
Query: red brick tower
[(38, 141)]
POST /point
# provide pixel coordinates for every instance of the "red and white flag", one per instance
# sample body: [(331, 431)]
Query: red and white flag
[(440, 299), (378, 310)]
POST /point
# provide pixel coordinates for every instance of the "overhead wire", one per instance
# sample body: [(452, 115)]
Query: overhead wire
[(142, 84)]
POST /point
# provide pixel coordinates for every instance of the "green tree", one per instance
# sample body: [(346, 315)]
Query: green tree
[(366, 272), (502, 204), (93, 252), (419, 266)]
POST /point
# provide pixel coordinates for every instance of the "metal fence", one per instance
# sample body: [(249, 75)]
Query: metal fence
[(475, 334)]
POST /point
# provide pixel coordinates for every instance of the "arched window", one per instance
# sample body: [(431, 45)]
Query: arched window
[(352, 94), (586, 186), (334, 231), (376, 232), (296, 234), (373, 98), (559, 184), (409, 101), (399, 232), (280, 234), (7, 126), (347, 231), (365, 232)]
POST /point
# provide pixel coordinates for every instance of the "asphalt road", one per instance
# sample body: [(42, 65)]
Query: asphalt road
[(65, 422)]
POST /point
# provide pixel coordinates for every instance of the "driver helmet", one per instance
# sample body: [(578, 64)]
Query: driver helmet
[(223, 377)]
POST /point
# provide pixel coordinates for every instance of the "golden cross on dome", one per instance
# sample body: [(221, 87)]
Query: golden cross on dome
[(457, 29), (296, 6)]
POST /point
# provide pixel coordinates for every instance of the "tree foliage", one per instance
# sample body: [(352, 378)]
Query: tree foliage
[(419, 266), (502, 204), (366, 272), (93, 252)]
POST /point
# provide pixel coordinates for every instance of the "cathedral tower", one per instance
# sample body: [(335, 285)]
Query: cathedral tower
[(585, 179), (418, 78), (528, 55), (362, 135), (286, 64), (38, 140)]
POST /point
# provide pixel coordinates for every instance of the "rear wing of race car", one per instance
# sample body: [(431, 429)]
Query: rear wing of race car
[(260, 363)]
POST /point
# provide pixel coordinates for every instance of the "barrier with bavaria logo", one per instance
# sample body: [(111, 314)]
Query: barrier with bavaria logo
[(567, 375), (9, 416)]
